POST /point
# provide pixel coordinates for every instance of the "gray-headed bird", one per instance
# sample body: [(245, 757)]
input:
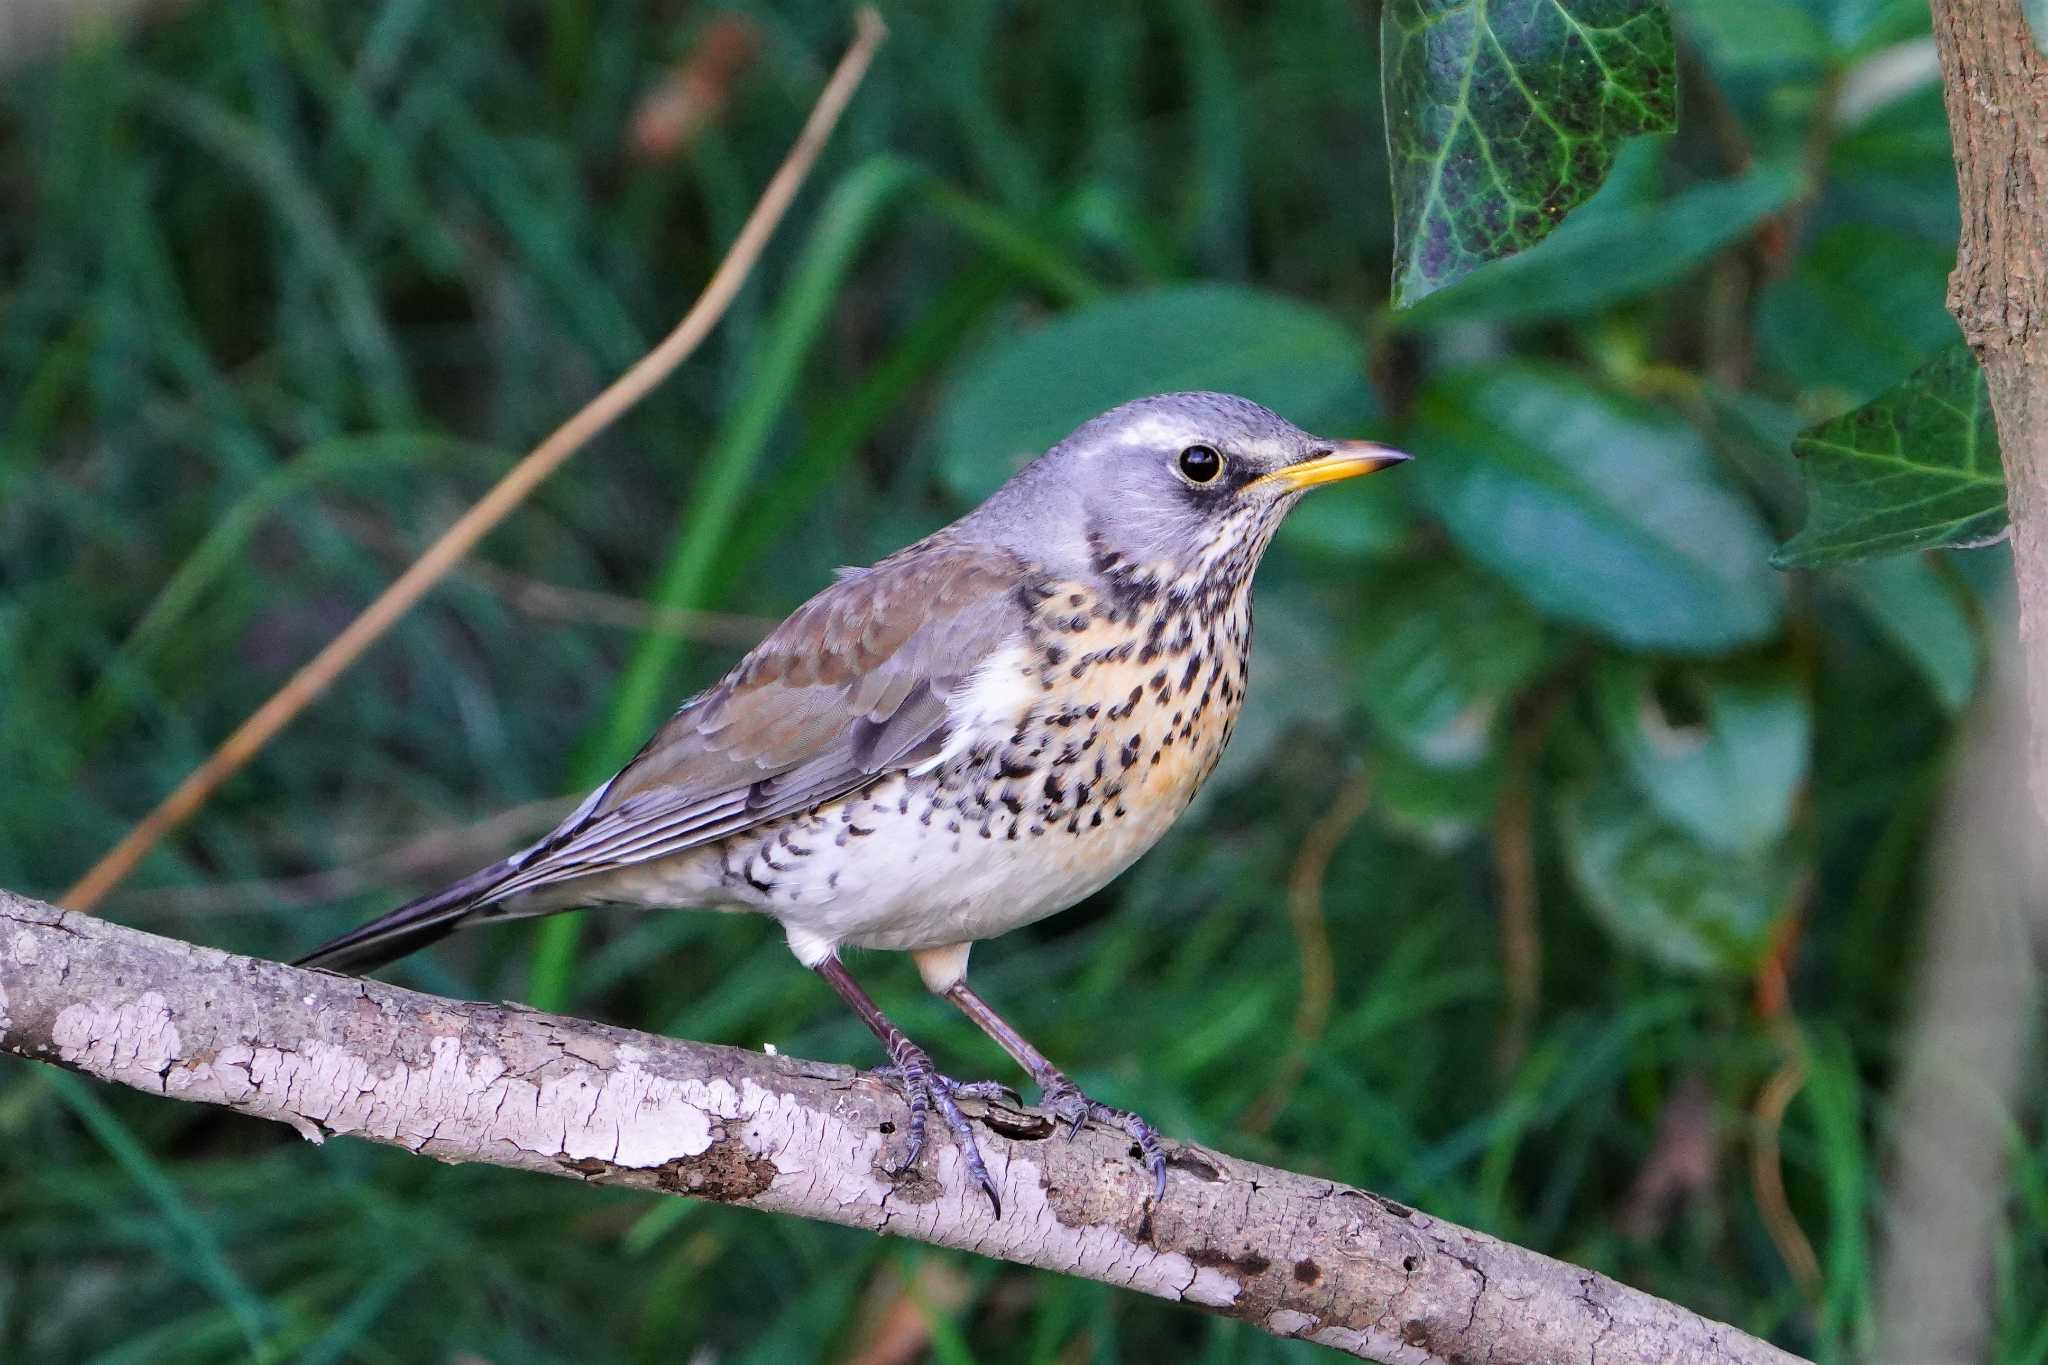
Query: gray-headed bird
[(974, 733)]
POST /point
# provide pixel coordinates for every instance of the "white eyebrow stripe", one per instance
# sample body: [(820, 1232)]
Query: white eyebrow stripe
[(1156, 430), (1164, 431)]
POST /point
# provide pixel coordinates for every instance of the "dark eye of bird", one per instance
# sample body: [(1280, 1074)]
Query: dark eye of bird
[(1200, 464)]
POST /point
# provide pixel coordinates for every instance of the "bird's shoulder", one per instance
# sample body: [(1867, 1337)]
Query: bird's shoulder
[(855, 680)]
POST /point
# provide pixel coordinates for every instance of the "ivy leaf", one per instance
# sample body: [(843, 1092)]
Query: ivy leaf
[(1916, 468), (1605, 254), (1502, 115)]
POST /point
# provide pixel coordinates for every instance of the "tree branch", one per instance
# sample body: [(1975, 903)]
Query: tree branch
[(1291, 1254)]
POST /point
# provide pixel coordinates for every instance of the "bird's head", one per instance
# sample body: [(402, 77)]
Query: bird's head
[(1182, 485)]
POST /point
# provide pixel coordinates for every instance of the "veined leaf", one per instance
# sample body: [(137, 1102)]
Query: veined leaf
[(1504, 114), (1914, 469), (1600, 255)]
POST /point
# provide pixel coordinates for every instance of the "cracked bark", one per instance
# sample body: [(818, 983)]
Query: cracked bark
[(1292, 1254), (1995, 86)]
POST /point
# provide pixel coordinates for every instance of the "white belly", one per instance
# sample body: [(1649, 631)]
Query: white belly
[(914, 884)]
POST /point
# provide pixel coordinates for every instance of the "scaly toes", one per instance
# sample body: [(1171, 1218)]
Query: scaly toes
[(926, 1089), (1074, 1109)]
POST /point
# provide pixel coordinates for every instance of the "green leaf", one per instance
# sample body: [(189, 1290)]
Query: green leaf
[(1863, 307), (1596, 508), (1681, 903), (2037, 22), (1720, 752), (1747, 34), (1603, 254), (1024, 392), (1737, 35), (1915, 469), (1361, 519), (1502, 115), (1440, 808), (1924, 617), (1441, 658)]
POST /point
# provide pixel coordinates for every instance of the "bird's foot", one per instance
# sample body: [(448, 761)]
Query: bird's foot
[(1071, 1107), (912, 1072)]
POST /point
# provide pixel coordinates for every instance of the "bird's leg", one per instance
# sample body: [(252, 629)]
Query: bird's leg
[(1059, 1094), (910, 1067)]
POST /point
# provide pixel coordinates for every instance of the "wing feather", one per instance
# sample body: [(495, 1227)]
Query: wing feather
[(855, 684)]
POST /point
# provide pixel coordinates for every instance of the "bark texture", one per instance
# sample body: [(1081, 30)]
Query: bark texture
[(1995, 84), (1295, 1255)]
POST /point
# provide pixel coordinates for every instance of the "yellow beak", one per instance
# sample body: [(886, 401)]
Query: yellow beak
[(1345, 460)]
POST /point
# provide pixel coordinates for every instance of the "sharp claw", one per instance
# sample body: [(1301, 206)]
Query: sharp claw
[(985, 1090), (1068, 1104), (926, 1089)]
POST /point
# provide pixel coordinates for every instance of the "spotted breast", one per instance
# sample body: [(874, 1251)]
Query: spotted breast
[(1071, 751)]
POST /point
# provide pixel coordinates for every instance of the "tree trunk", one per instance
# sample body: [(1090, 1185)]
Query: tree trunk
[(1995, 83)]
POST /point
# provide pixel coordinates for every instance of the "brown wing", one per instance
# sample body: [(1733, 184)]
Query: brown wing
[(853, 685)]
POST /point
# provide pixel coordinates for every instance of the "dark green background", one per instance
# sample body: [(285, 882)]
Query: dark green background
[(284, 287)]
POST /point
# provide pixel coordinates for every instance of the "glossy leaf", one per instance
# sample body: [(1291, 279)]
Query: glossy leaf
[(1915, 469), (1596, 508), (1863, 307), (1441, 657), (1924, 617), (1685, 905), (1606, 253), (1720, 752), (1744, 34), (1025, 391), (1502, 115)]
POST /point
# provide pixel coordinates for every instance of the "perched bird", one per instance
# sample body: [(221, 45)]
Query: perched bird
[(972, 734)]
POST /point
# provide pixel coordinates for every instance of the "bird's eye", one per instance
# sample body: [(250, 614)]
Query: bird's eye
[(1200, 464)]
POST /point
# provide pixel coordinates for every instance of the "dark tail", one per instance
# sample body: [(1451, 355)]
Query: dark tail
[(410, 927)]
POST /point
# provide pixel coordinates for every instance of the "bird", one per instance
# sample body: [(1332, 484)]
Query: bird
[(973, 733)]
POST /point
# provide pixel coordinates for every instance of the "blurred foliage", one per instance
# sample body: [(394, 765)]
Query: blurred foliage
[(283, 287)]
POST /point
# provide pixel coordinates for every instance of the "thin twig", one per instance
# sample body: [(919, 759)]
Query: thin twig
[(311, 680), (1766, 1171), (1767, 1176), (1514, 867)]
